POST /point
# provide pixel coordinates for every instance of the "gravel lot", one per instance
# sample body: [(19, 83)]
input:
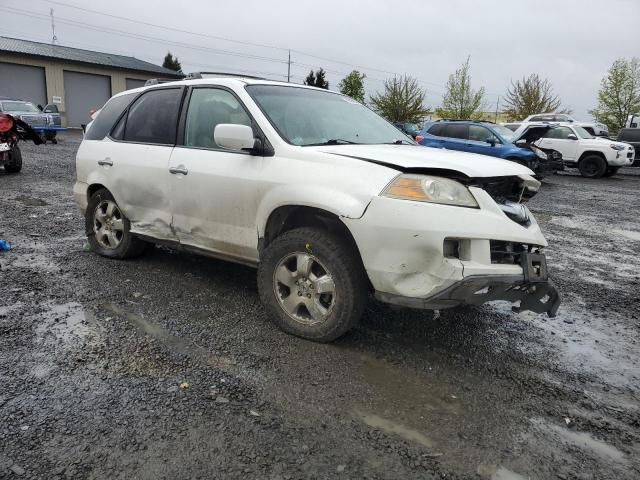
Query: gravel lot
[(96, 355)]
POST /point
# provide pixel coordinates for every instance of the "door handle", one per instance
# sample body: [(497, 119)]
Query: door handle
[(180, 169), (106, 161)]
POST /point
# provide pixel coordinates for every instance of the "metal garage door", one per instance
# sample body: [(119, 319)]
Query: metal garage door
[(134, 83), (24, 82), (83, 92)]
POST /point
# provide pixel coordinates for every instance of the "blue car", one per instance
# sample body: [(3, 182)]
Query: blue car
[(487, 138)]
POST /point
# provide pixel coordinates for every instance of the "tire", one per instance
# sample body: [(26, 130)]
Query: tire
[(108, 230), (332, 265), (15, 161), (611, 171), (592, 166)]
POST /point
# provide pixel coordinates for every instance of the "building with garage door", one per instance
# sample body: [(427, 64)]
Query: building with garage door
[(75, 80)]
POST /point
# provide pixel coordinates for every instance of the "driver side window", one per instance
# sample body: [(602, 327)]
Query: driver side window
[(209, 107)]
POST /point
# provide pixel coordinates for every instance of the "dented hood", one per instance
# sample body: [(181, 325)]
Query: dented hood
[(407, 157)]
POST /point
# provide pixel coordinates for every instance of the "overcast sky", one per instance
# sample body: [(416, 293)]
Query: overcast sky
[(571, 42)]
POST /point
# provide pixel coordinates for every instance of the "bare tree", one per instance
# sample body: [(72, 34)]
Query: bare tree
[(529, 96), (401, 101), (460, 100), (619, 94)]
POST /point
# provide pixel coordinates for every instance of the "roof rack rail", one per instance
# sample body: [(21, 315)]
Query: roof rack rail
[(199, 75), (462, 120), (158, 81)]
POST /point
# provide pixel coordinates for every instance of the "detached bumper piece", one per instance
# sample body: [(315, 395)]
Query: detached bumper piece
[(535, 296)]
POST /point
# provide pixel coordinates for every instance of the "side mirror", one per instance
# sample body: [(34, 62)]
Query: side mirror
[(491, 141), (234, 137), (572, 136), (51, 108), (39, 107)]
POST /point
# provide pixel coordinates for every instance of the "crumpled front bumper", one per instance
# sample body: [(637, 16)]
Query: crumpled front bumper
[(539, 297)]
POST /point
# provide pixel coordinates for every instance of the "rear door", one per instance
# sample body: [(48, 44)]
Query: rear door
[(456, 136), (215, 192), (137, 161), (558, 139)]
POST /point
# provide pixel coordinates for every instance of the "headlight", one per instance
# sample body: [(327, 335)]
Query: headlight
[(617, 147), (539, 153), (424, 188)]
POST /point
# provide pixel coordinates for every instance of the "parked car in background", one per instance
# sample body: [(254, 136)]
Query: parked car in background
[(487, 138), (410, 129), (46, 122), (594, 157), (513, 126), (595, 129), (327, 199), (633, 121), (632, 137)]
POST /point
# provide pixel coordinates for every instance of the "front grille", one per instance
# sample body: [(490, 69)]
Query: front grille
[(507, 253), (502, 189), (35, 119)]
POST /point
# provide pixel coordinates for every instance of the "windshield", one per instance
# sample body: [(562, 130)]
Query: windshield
[(19, 107), (582, 133), (312, 117), (504, 132)]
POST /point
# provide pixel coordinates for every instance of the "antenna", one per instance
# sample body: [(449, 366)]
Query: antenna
[(54, 39)]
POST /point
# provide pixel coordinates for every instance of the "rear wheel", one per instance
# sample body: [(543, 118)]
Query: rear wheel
[(592, 166), (312, 284), (109, 231), (15, 161), (611, 171)]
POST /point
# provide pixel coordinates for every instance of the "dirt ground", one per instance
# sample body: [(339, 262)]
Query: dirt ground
[(167, 367)]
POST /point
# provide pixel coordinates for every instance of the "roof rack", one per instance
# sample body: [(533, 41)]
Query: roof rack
[(463, 120), (158, 81), (199, 75)]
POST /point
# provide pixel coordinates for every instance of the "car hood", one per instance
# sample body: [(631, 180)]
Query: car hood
[(419, 157)]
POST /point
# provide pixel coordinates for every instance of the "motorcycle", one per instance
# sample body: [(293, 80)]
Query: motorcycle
[(12, 130)]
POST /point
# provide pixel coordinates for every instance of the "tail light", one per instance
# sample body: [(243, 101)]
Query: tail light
[(6, 122), (419, 138)]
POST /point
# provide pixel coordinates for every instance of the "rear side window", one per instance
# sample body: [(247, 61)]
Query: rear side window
[(456, 130), (108, 116), (437, 130), (153, 117)]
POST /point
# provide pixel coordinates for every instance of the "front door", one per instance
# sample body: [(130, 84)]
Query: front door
[(558, 139), (482, 141), (215, 192)]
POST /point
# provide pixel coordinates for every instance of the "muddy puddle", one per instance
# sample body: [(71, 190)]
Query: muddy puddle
[(170, 341), (64, 324)]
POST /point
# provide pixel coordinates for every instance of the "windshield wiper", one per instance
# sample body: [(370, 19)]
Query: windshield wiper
[(398, 142), (333, 141)]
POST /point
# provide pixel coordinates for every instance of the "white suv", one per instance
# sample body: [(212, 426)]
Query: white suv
[(594, 157), (329, 201)]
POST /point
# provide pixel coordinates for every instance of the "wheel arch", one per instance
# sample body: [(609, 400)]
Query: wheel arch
[(589, 153)]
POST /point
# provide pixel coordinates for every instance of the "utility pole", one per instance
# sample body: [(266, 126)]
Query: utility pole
[(54, 39), (497, 108), (289, 68)]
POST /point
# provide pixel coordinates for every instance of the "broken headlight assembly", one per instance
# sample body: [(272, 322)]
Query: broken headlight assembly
[(539, 153), (426, 188)]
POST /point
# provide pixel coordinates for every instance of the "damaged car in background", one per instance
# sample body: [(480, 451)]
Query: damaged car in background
[(487, 138), (328, 200)]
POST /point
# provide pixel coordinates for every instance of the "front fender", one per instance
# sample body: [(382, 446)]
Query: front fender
[(325, 198)]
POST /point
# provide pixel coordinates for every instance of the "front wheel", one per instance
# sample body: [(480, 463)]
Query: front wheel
[(108, 230), (312, 284), (592, 166), (15, 161)]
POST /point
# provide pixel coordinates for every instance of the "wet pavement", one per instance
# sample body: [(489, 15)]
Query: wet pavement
[(167, 367)]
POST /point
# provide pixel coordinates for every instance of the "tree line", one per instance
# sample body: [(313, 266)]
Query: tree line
[(402, 99)]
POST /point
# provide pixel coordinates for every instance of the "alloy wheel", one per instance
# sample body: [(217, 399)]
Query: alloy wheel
[(304, 288), (108, 224)]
